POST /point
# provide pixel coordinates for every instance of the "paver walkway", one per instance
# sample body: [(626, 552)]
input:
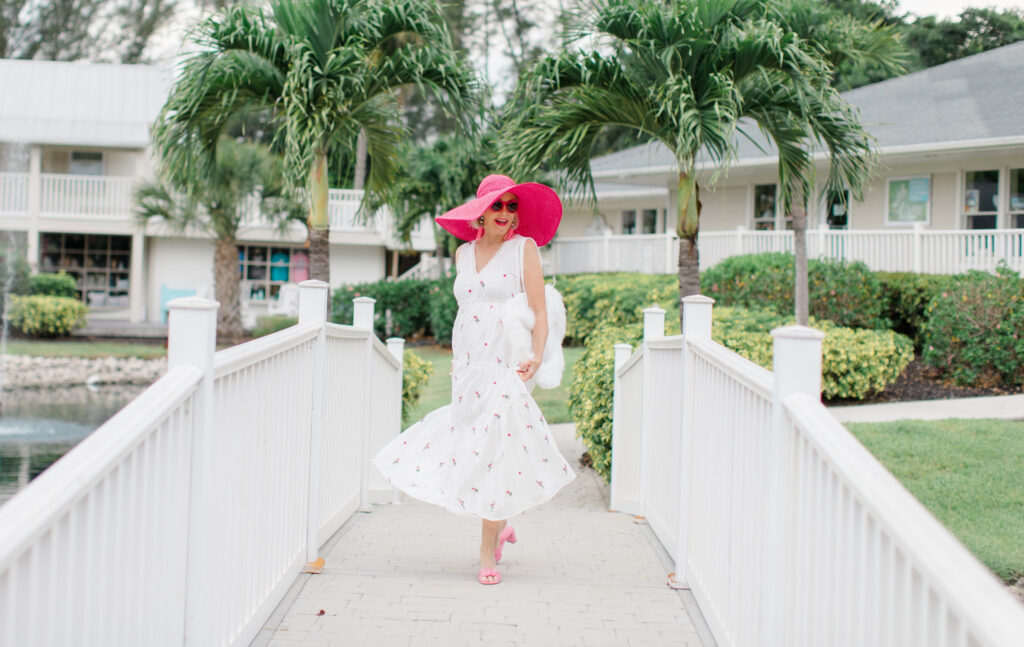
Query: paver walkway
[(406, 575)]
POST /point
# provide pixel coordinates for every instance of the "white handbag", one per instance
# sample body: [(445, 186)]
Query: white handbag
[(517, 318)]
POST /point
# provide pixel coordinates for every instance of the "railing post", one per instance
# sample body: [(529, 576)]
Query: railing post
[(918, 246), (362, 317), (796, 368), (822, 252), (313, 310), (396, 346), (697, 310), (654, 328), (607, 241), (618, 501), (740, 230), (192, 339)]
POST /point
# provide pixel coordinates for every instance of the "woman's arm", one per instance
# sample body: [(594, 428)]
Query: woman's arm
[(533, 278)]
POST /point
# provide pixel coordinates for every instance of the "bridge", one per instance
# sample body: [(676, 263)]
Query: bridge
[(739, 513)]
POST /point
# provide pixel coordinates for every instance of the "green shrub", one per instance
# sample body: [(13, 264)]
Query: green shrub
[(847, 294), (46, 316), (442, 308), (907, 296), (60, 284), (415, 375), (272, 323), (620, 298), (407, 301), (856, 363), (974, 331)]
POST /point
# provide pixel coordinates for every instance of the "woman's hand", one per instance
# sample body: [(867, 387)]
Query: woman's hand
[(527, 368)]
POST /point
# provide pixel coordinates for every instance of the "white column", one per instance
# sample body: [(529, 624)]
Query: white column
[(137, 277), (796, 368), (740, 230), (396, 346), (918, 246), (606, 251), (625, 492), (192, 339), (654, 328), (362, 312), (313, 311), (35, 197), (362, 317), (697, 311)]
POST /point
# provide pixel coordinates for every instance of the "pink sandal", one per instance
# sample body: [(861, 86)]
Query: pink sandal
[(488, 572), (509, 535)]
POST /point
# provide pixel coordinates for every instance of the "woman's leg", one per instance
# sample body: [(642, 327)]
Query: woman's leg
[(488, 542)]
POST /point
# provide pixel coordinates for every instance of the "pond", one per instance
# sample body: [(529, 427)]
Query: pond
[(38, 426)]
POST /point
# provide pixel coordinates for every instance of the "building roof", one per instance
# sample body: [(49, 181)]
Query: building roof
[(82, 104), (971, 101)]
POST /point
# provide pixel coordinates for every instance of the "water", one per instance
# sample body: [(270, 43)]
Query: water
[(38, 426)]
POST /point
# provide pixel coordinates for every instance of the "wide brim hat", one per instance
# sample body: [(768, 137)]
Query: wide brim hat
[(539, 213)]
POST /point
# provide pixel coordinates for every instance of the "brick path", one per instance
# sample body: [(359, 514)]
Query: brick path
[(406, 575)]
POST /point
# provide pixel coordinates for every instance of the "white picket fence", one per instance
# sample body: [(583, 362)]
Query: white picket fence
[(185, 518), (903, 250), (787, 530)]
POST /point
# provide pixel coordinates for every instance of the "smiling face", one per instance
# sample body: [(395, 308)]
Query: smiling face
[(499, 222)]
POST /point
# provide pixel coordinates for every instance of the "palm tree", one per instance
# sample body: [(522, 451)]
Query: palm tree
[(692, 75), (328, 69), (244, 175)]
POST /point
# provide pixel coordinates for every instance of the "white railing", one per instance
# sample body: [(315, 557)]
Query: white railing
[(86, 196), (185, 518), (788, 531), (13, 194), (907, 250)]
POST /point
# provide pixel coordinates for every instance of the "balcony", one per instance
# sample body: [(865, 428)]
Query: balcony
[(62, 199)]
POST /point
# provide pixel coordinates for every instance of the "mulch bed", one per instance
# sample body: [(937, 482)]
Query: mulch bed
[(921, 382)]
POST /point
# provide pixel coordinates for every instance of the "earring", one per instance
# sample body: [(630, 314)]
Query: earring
[(480, 221), (479, 233), (509, 234)]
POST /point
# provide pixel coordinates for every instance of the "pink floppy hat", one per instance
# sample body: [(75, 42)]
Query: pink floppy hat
[(539, 212)]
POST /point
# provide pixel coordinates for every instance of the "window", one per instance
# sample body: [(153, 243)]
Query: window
[(86, 163), (629, 222), (837, 210), (1017, 198), (908, 200), (264, 269), (981, 199), (100, 265), (650, 221), (764, 206)]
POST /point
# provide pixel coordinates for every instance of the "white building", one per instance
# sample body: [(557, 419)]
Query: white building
[(951, 140), (74, 142)]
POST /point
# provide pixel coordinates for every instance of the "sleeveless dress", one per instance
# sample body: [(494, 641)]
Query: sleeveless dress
[(489, 453)]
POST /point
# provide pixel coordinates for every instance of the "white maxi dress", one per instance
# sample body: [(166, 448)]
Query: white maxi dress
[(489, 453)]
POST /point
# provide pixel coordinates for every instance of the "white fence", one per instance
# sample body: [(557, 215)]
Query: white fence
[(13, 193), (185, 518), (905, 250), (787, 530)]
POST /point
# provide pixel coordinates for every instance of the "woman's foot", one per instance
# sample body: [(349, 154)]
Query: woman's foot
[(507, 534), (487, 573)]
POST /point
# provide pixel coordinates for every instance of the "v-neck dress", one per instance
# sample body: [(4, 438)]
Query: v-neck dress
[(489, 453)]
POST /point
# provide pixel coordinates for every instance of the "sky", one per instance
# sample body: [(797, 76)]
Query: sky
[(950, 8)]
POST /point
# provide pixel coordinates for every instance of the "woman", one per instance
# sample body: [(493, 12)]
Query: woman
[(489, 453)]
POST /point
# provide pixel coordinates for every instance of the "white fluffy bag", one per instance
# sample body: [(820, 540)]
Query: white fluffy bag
[(517, 317)]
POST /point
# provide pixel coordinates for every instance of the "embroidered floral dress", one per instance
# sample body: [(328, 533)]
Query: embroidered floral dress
[(489, 453)]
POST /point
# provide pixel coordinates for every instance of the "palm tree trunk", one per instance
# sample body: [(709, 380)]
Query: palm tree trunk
[(362, 153), (800, 294), (319, 223), (688, 226), (226, 288)]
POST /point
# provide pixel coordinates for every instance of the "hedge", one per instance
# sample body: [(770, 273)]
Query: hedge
[(46, 316), (407, 300), (619, 298), (974, 330), (415, 375), (845, 293), (907, 295), (856, 363), (60, 284)]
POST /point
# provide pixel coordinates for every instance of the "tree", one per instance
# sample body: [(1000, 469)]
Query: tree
[(692, 76), (216, 203), (937, 41), (328, 69)]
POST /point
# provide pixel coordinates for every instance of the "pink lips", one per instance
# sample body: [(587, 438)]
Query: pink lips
[(500, 223)]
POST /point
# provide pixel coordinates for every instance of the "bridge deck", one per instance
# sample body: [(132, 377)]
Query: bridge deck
[(406, 575)]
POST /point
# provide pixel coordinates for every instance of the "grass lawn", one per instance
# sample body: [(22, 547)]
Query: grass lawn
[(438, 392), (968, 473), (77, 348)]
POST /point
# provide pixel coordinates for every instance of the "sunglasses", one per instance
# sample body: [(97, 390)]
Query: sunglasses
[(511, 205)]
